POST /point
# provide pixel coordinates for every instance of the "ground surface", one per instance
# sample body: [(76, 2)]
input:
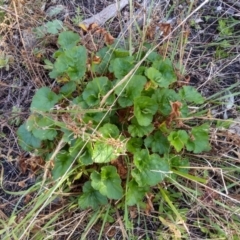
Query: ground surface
[(24, 73)]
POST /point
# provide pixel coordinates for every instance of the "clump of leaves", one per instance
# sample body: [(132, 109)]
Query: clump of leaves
[(50, 27), (137, 134)]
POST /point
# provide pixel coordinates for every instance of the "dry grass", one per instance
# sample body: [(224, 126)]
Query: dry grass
[(211, 211)]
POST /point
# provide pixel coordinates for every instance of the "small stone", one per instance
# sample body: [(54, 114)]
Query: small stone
[(29, 39)]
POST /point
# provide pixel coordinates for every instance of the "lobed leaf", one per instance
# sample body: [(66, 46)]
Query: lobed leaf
[(68, 39), (157, 142), (108, 182), (165, 67), (44, 129), (134, 145), (199, 140), (178, 139), (44, 99), (121, 66), (179, 163), (27, 140), (62, 162), (144, 109), (105, 55), (71, 62), (54, 26), (109, 130), (133, 89), (91, 197), (103, 153), (68, 88), (96, 89), (154, 75), (76, 147), (78, 61), (163, 97), (150, 169), (135, 194), (190, 94), (137, 130)]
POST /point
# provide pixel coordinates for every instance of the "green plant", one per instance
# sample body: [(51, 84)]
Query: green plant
[(226, 28), (15, 119), (121, 145), (6, 61), (51, 27), (78, 17), (2, 13)]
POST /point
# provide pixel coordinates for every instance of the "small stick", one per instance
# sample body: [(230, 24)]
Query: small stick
[(107, 13)]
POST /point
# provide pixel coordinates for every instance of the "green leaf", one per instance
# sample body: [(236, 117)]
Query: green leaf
[(85, 157), (76, 146), (178, 139), (62, 162), (27, 140), (68, 88), (144, 109), (134, 145), (121, 66), (68, 39), (54, 27), (157, 142), (154, 75), (105, 54), (96, 89), (133, 89), (71, 62), (163, 97), (96, 117), (179, 163), (58, 53), (190, 94), (154, 56), (48, 64), (109, 130), (166, 69), (199, 140), (103, 153), (40, 31), (150, 169), (135, 194), (67, 136), (108, 182), (30, 123), (185, 110), (137, 130), (60, 66), (44, 128), (77, 66), (44, 99), (91, 197), (80, 102)]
